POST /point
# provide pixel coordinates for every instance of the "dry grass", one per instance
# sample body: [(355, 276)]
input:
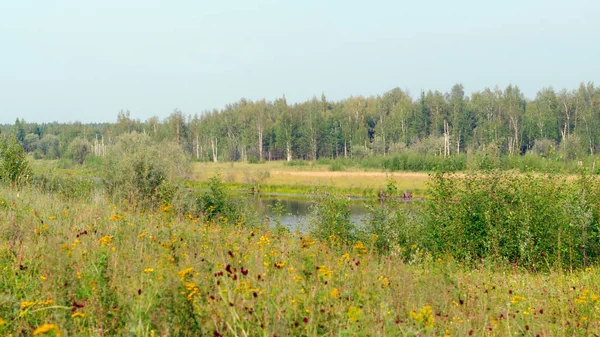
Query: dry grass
[(311, 175)]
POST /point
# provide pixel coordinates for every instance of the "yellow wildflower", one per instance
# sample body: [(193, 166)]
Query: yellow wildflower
[(78, 314), (64, 212), (115, 217), (324, 271), (47, 328), (184, 272), (148, 270), (52, 217), (105, 240), (334, 293), (424, 316), (354, 313), (26, 304), (360, 248)]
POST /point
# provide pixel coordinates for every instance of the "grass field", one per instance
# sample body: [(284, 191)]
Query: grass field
[(278, 177), (92, 268)]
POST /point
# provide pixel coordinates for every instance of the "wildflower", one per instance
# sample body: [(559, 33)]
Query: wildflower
[(385, 282), (2, 322), (52, 217), (424, 316), (64, 212), (334, 293), (324, 271), (42, 277), (105, 240), (354, 313), (184, 272), (142, 234), (297, 278), (47, 328), (26, 304), (149, 270), (78, 314), (115, 217), (360, 248), (517, 299)]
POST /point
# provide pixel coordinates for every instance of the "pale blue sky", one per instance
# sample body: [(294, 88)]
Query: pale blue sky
[(86, 60)]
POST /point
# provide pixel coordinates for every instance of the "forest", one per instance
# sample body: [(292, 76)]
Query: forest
[(562, 125)]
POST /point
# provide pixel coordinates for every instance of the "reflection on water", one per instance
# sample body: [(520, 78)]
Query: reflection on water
[(294, 213)]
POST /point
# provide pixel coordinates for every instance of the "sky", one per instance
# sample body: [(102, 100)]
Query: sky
[(73, 60)]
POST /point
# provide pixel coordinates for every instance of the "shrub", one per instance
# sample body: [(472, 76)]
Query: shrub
[(78, 150), (144, 172), (528, 220), (14, 166), (330, 219), (215, 203)]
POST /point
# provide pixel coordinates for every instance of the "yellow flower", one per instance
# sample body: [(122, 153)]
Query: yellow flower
[(360, 247), (26, 304), (64, 212), (354, 313), (334, 293), (517, 299), (42, 277), (424, 316), (105, 240), (148, 270), (46, 328), (184, 272), (324, 271), (78, 314), (2, 322), (52, 217), (115, 217)]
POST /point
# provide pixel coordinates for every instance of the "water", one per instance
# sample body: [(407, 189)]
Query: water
[(294, 212)]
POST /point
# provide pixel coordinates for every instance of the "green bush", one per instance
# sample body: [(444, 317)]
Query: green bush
[(330, 219), (215, 203), (527, 220), (144, 172), (14, 166)]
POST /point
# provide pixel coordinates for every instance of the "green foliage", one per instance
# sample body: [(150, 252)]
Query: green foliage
[(528, 220), (215, 203), (296, 163), (336, 166), (144, 172), (393, 228), (330, 219), (78, 150), (14, 166), (68, 187)]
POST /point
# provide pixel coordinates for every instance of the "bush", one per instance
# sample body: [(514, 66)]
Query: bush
[(330, 219), (528, 220), (143, 172), (14, 166), (215, 203), (78, 150)]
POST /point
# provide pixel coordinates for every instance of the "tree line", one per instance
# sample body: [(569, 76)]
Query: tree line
[(564, 124)]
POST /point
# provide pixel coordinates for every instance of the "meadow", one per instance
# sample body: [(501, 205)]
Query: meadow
[(95, 268), (122, 249)]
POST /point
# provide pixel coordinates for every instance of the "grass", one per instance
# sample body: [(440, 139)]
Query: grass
[(89, 268), (303, 179)]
